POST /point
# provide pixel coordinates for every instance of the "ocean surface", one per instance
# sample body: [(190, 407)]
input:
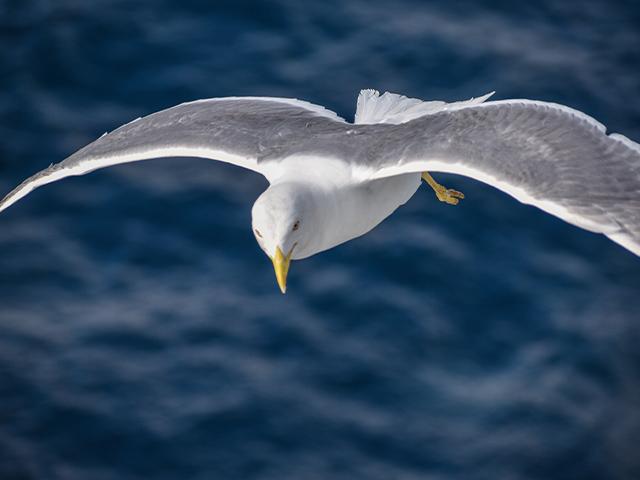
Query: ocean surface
[(142, 334)]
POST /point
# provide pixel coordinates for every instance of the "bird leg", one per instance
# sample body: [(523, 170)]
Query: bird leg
[(447, 195)]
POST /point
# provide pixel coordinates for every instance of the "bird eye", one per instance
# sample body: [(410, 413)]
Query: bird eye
[(257, 232), (296, 225)]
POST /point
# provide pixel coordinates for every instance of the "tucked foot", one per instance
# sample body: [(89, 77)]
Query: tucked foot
[(450, 196), (447, 195)]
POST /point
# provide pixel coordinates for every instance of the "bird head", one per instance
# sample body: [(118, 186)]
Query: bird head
[(282, 223)]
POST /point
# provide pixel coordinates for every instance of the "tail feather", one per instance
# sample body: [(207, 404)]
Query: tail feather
[(393, 108)]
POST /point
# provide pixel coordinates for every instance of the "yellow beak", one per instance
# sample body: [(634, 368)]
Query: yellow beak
[(281, 266)]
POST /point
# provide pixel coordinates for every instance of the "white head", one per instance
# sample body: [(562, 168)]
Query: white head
[(284, 221)]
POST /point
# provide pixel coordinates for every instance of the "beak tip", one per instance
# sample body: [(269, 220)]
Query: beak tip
[(281, 266)]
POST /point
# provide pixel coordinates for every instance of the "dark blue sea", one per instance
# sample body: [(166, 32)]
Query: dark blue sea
[(142, 334)]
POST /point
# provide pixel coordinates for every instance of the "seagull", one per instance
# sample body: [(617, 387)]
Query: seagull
[(331, 180)]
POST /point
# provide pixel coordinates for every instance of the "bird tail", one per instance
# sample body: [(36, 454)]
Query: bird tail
[(393, 108)]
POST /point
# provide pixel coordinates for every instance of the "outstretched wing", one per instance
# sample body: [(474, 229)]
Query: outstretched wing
[(543, 154), (237, 130)]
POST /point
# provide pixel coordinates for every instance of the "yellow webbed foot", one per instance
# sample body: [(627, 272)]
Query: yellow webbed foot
[(450, 196), (447, 195)]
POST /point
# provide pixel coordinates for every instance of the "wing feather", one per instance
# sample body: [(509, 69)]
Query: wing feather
[(237, 130), (543, 154)]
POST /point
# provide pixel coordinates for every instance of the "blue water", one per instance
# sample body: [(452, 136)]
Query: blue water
[(142, 335)]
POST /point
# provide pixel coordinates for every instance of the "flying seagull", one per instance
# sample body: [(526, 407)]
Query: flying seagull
[(332, 180)]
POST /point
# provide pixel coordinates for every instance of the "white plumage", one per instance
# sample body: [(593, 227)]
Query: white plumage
[(344, 178)]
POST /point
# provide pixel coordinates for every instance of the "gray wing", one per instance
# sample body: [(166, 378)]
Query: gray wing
[(243, 131), (543, 154)]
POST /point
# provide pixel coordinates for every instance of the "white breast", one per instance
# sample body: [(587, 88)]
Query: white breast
[(363, 206)]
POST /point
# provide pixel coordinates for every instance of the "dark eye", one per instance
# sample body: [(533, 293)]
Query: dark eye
[(296, 225), (257, 232)]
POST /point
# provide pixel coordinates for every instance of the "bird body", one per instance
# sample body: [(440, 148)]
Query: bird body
[(341, 210), (331, 180)]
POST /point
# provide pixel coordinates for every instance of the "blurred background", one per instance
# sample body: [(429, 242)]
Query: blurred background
[(142, 334)]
